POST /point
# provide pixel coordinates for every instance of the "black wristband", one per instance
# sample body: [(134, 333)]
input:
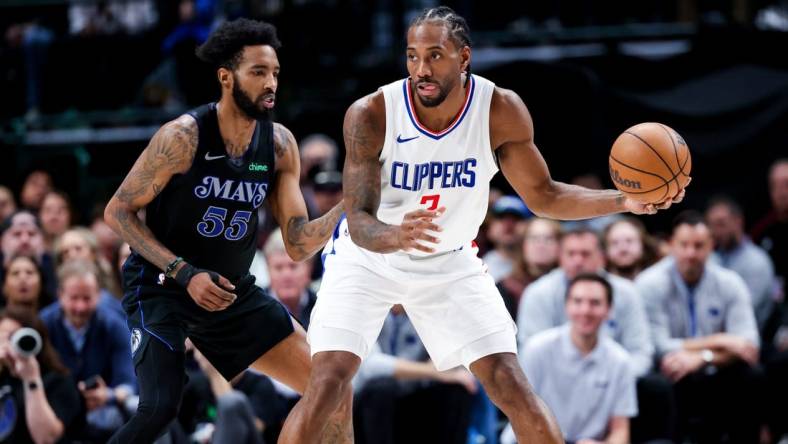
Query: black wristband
[(185, 274), (171, 266)]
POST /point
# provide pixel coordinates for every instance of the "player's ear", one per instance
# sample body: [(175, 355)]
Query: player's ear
[(465, 57), (225, 77)]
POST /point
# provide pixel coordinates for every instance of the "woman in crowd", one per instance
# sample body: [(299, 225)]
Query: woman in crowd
[(39, 400), (629, 248), (23, 284), (81, 243), (538, 255)]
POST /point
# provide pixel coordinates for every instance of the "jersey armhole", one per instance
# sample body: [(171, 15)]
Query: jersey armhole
[(491, 155), (388, 100)]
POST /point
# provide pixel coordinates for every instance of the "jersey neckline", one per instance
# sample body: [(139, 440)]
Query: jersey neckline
[(406, 90)]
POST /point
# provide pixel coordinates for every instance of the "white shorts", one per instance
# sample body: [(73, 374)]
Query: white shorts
[(450, 298)]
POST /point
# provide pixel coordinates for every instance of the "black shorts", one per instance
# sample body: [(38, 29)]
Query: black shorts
[(231, 339)]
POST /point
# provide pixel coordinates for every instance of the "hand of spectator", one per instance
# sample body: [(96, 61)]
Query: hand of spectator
[(414, 227), (460, 376), (24, 368), (678, 364), (95, 397)]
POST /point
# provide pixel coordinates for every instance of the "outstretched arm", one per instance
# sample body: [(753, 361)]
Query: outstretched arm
[(524, 167), (302, 237), (364, 130)]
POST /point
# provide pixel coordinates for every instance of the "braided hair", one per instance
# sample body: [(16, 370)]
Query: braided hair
[(457, 26)]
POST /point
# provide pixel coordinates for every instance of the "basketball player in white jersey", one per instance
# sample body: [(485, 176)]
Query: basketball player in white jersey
[(420, 155)]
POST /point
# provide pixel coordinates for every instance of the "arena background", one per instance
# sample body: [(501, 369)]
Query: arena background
[(714, 71), (81, 101)]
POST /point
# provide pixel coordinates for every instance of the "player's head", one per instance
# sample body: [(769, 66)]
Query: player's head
[(438, 52), (691, 245), (243, 52)]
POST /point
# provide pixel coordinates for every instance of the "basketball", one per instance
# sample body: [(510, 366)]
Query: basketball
[(650, 163)]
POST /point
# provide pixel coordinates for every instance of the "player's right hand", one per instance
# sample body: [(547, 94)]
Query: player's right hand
[(208, 294), (415, 227)]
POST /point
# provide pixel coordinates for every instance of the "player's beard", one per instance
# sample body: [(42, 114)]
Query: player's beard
[(443, 91), (252, 108)]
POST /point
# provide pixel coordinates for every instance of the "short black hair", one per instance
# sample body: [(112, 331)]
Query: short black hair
[(582, 230), (591, 277), (459, 32), (225, 45), (727, 202), (687, 217)]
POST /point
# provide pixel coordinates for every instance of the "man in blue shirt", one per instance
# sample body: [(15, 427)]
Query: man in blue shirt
[(93, 343)]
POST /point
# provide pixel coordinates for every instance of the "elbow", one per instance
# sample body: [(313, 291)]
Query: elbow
[(296, 253), (52, 435), (109, 214), (540, 200)]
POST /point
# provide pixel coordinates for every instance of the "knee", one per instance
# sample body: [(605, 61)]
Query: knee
[(160, 411), (333, 374), (503, 373)]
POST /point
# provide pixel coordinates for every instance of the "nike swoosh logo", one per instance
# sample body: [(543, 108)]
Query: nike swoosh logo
[(401, 140), (209, 157)]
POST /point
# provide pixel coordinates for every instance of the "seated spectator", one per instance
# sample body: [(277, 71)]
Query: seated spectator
[(7, 202), (37, 184), (505, 233), (40, 401), (289, 279), (707, 340), (542, 304), (56, 216), (628, 247), (94, 344), (79, 243), (401, 397), (218, 411), (23, 284), (771, 232), (734, 251), (542, 307), (538, 256), (21, 235), (108, 241), (582, 375)]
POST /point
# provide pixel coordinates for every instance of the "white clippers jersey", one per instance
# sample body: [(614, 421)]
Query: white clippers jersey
[(451, 168)]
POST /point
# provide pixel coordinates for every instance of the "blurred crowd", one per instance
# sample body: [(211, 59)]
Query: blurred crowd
[(680, 337)]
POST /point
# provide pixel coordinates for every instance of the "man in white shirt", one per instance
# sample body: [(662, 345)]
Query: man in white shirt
[(584, 377)]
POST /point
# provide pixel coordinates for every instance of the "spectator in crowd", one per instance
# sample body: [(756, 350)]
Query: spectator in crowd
[(734, 251), (542, 307), (79, 243), (542, 304), (505, 232), (706, 337), (538, 256), (94, 344), (401, 397), (628, 247), (289, 279), (37, 184), (111, 17), (56, 216), (40, 401), (21, 234), (771, 232), (23, 284), (318, 152), (597, 404), (239, 411), (327, 190), (7, 202)]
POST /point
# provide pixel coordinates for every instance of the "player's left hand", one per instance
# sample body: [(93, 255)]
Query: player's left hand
[(636, 207)]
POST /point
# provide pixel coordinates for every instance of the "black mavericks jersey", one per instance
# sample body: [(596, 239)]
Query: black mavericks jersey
[(208, 215)]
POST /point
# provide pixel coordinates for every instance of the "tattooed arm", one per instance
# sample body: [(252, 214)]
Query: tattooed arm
[(364, 130), (303, 238), (170, 151)]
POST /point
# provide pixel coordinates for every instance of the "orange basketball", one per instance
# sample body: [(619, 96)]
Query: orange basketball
[(650, 163)]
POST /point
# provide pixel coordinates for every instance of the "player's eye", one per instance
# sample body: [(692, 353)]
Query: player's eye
[(435, 56), (412, 57)]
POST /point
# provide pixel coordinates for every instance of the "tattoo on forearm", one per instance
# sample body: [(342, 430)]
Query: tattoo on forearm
[(308, 237)]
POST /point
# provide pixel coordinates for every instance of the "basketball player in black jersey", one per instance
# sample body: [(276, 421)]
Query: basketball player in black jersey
[(201, 180)]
